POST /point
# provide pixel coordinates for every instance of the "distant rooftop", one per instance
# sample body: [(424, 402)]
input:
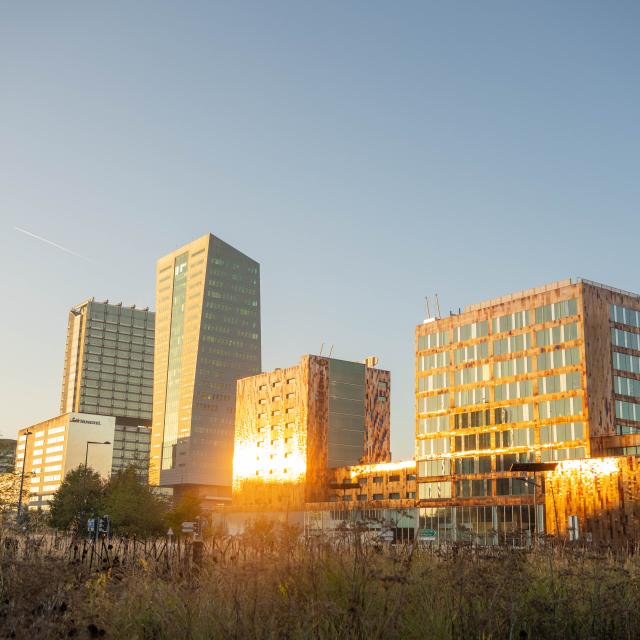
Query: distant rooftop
[(542, 289)]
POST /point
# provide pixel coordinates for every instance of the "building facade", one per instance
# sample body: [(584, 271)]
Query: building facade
[(7, 455), (294, 425), (548, 374), (54, 447), (207, 337), (108, 371)]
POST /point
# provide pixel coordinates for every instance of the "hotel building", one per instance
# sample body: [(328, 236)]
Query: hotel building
[(543, 375), (207, 337), (108, 371), (294, 425), (50, 449)]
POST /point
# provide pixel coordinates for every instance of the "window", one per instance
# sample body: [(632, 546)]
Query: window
[(434, 467), (433, 361), (434, 403), (433, 425), (556, 335), (433, 382), (627, 410), (516, 320), (556, 311), (558, 358), (560, 407), (470, 353), (378, 479), (621, 362), (469, 375), (433, 340), (508, 368), (471, 331), (473, 442), (478, 464), (561, 432), (513, 413), (378, 496), (433, 446), (394, 496), (626, 386), (560, 382), (434, 490), (504, 461), (623, 315), (515, 438), (472, 488), (466, 397), (625, 339), (509, 391), (550, 455), (511, 344), (472, 419)]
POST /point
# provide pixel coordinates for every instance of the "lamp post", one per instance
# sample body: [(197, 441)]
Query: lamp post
[(532, 467), (24, 462)]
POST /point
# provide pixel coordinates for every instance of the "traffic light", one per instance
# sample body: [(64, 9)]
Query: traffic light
[(104, 524)]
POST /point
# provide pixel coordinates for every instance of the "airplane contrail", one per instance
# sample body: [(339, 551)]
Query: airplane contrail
[(53, 244)]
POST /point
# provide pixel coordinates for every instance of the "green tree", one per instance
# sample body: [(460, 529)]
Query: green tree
[(79, 496), (133, 507), (185, 509)]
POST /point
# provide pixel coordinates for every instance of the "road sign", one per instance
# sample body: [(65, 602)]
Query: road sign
[(187, 527), (91, 525), (170, 532), (427, 534)]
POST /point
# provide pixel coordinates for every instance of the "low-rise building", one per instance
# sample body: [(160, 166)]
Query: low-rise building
[(294, 425)]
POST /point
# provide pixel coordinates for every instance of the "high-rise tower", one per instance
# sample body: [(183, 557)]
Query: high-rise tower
[(207, 337), (108, 371)]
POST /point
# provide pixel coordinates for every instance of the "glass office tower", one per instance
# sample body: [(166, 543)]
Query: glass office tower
[(207, 337), (108, 371)]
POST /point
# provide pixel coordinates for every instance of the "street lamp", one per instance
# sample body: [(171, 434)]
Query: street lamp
[(532, 467), (24, 461)]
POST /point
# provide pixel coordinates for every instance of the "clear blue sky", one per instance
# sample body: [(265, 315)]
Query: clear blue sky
[(365, 153)]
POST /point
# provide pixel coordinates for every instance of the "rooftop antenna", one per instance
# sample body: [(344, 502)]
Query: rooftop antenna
[(330, 351), (321, 348), (437, 304), (426, 301)]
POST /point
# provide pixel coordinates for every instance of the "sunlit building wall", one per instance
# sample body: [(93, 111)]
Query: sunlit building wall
[(207, 337), (294, 425), (544, 375), (59, 445)]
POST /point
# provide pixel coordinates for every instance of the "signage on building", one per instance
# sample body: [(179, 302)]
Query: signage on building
[(83, 421), (187, 527)]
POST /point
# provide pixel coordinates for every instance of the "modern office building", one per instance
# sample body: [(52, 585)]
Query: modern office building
[(50, 449), (294, 425), (108, 371), (7, 455), (207, 337), (543, 375)]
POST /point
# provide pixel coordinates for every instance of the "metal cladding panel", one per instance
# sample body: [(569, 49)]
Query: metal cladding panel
[(377, 444), (603, 492)]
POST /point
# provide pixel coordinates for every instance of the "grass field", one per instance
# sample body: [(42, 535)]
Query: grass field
[(274, 584)]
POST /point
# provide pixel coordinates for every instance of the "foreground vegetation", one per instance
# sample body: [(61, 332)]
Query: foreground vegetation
[(272, 583)]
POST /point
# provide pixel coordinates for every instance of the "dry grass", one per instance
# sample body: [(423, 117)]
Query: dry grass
[(276, 585)]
